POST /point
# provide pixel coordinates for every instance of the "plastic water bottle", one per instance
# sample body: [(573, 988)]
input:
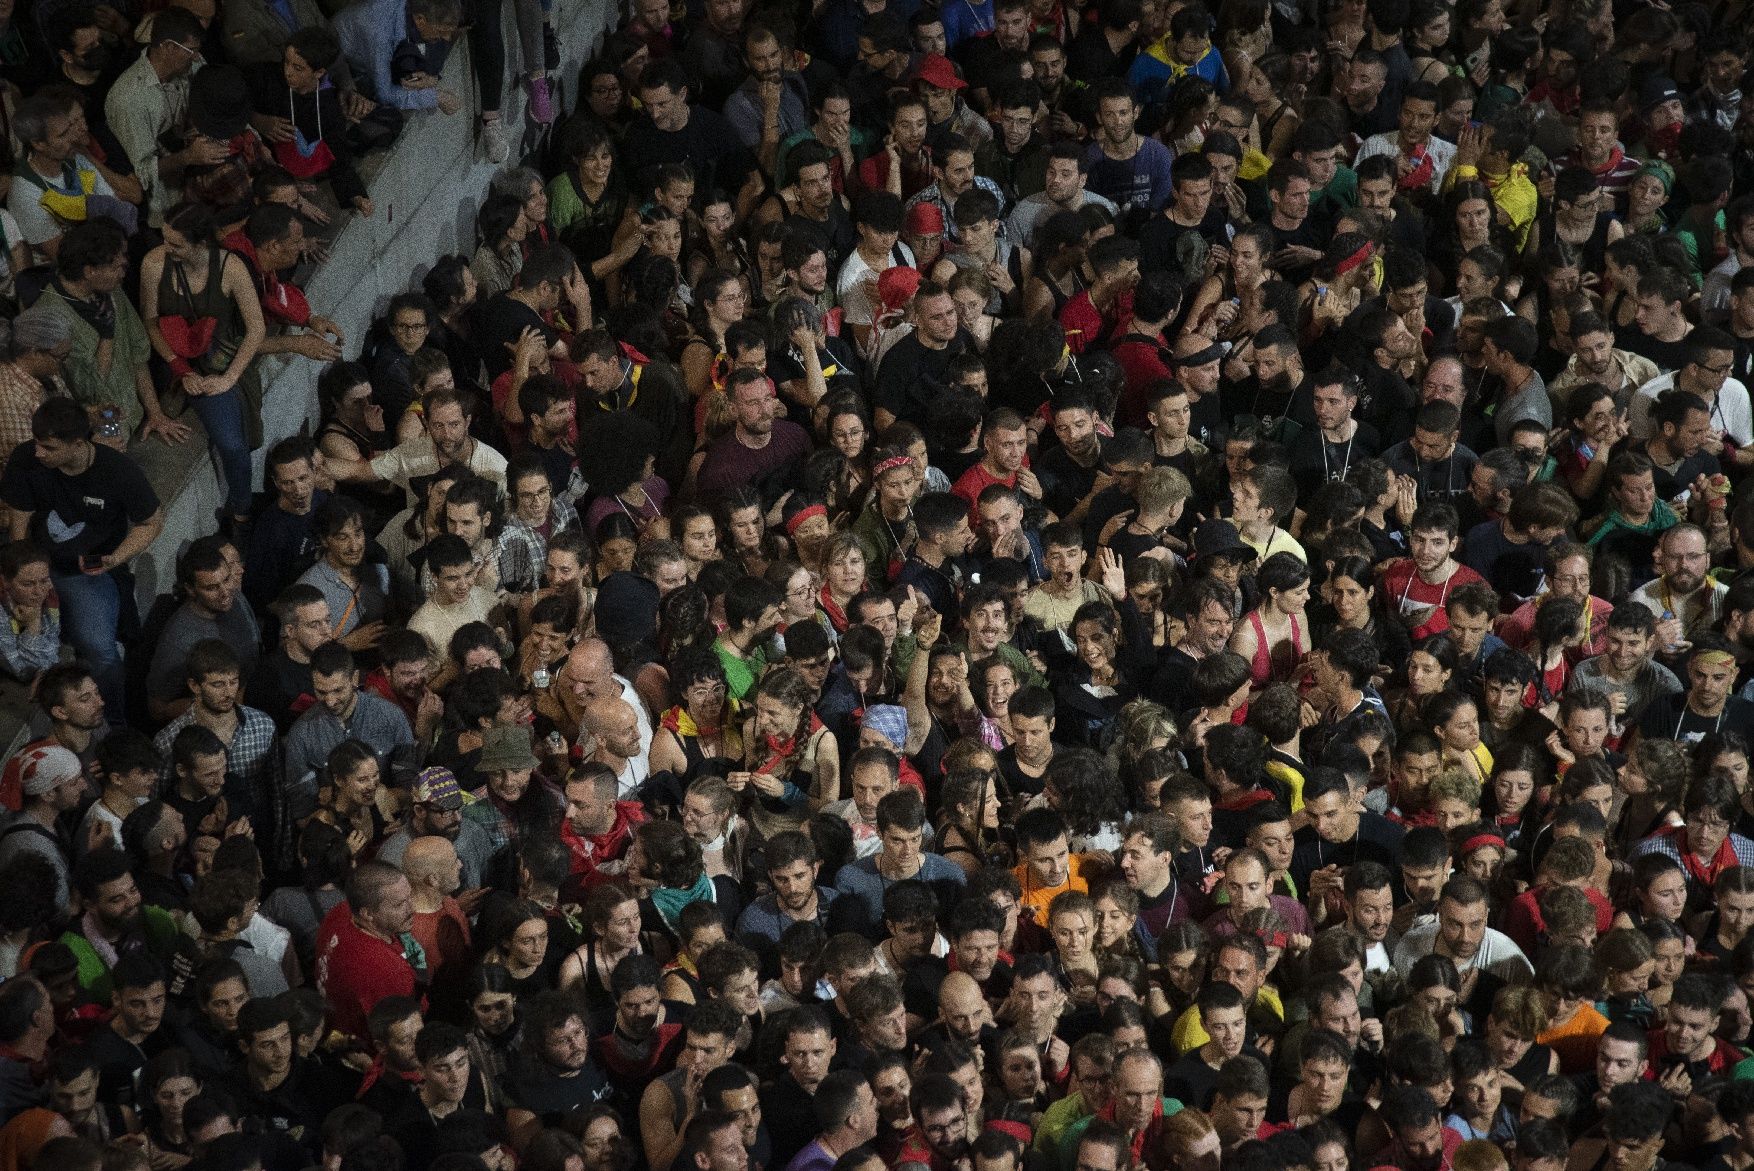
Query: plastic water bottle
[(109, 423)]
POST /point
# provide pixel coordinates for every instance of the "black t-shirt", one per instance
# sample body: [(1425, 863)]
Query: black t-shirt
[(1065, 481), (1669, 356), (74, 516), (503, 321), (1669, 718), (1207, 421), (912, 377), (789, 1111), (275, 687), (1386, 402), (120, 1061), (1090, 57), (1016, 780), (708, 144), (1308, 234), (1173, 686), (1131, 545), (1378, 839), (295, 1108), (1314, 461), (1190, 1080), (1670, 484), (1165, 245), (536, 1088), (836, 234)]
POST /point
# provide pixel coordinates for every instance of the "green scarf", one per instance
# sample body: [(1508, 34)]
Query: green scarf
[(1661, 517), (670, 899)]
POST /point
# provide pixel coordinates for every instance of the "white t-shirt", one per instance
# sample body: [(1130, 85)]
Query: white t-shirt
[(417, 457), (1731, 413), (25, 201), (437, 623), (10, 234), (856, 290)]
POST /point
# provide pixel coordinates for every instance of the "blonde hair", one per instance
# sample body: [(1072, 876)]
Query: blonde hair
[(1456, 785), (1480, 1154), (1161, 487), (716, 417), (1184, 1128), (1521, 1010)]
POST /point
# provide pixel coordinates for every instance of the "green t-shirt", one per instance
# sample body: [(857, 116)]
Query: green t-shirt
[(740, 673)]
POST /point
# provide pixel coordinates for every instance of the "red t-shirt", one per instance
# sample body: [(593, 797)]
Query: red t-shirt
[(973, 482), (356, 970), (873, 175), (1408, 595), (1524, 924), (1087, 328), (1142, 365)]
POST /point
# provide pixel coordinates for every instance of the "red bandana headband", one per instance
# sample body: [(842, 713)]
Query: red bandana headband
[(1481, 841), (802, 515), (1354, 260), (890, 464)]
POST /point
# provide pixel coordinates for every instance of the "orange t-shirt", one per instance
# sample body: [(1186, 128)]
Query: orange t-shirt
[(1575, 1040)]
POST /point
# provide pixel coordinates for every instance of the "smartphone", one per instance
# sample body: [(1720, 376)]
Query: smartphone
[(90, 562)]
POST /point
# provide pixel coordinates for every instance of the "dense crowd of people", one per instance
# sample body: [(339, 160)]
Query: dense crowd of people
[(996, 585)]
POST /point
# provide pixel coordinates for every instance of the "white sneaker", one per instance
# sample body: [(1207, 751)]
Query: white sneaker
[(493, 142)]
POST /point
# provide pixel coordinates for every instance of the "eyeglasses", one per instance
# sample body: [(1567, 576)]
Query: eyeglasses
[(1716, 371)]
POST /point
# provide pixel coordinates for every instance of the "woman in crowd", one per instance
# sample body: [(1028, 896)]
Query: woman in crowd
[(204, 318)]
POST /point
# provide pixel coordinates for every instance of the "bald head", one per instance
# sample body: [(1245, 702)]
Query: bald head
[(961, 1005), (431, 863), (1141, 1062), (615, 726), (1189, 344), (590, 673), (592, 657)]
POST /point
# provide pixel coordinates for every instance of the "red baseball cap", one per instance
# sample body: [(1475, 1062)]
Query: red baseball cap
[(935, 69)]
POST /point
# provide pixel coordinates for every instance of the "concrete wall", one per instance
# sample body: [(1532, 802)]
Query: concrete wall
[(426, 192)]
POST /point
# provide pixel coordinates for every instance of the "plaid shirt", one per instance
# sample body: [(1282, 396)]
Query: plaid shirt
[(1669, 845), (480, 807), (522, 549), (249, 758)]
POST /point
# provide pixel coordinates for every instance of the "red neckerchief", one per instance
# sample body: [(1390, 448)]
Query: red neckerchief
[(780, 751), (413, 1077), (1146, 1133), (1614, 157), (1707, 874), (280, 301), (837, 617), (672, 719), (1419, 175)]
